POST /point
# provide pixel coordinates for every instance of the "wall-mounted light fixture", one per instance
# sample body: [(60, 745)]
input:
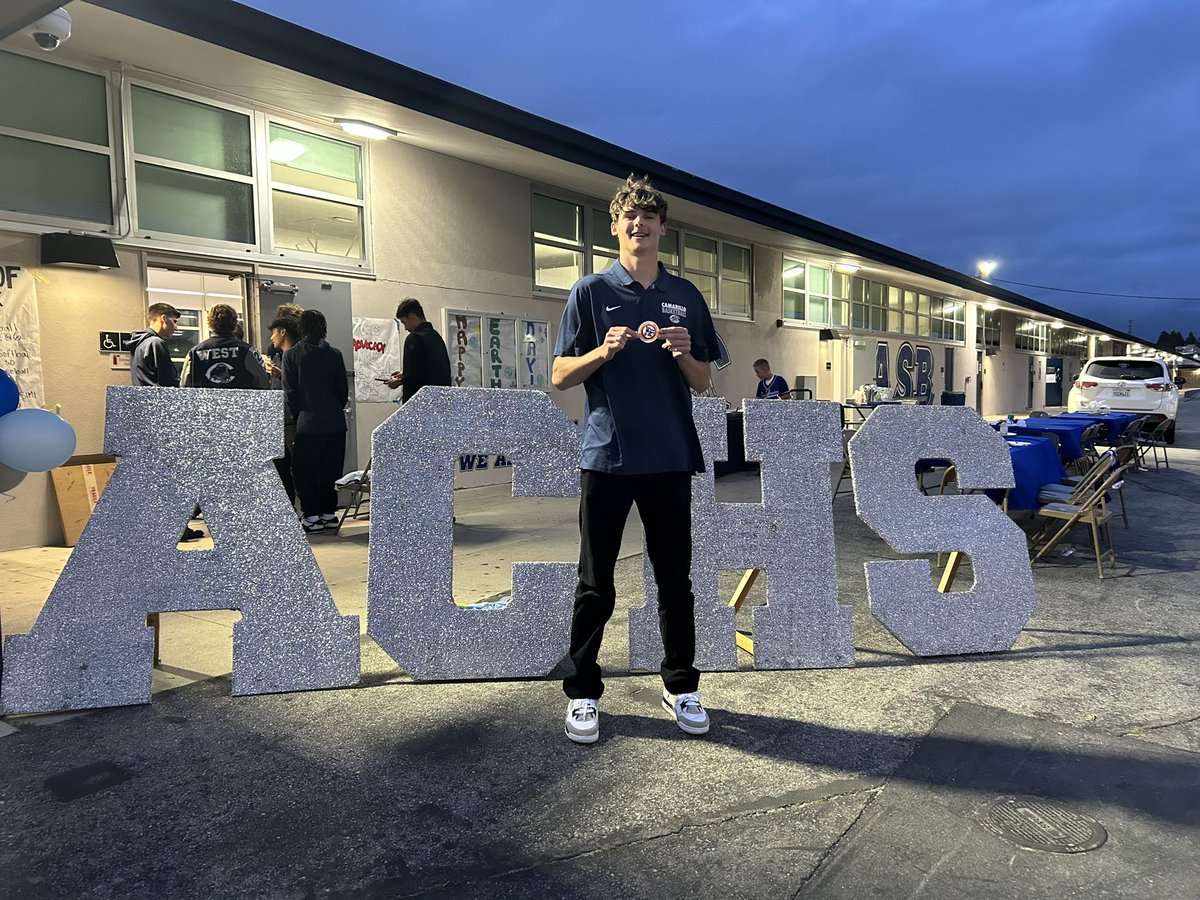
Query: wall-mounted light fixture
[(1057, 324), (829, 334), (991, 306), (84, 251), (363, 129), (845, 268)]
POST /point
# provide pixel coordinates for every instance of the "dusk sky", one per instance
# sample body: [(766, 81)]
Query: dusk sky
[(1058, 137)]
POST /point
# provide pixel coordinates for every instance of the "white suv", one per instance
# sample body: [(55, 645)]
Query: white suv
[(1135, 384)]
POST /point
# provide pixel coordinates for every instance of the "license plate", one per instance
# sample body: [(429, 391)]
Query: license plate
[(1120, 392)]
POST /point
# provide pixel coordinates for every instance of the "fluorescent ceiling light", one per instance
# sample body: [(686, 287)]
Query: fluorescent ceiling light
[(176, 291), (845, 268), (991, 306), (1056, 325), (285, 151), (365, 129)]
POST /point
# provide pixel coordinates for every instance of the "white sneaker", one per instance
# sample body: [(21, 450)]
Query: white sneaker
[(687, 711), (583, 721)]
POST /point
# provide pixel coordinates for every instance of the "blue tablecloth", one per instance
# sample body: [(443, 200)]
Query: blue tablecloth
[(1068, 432), (1116, 423), (1035, 463)]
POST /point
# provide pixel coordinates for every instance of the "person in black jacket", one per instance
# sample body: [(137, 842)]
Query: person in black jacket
[(425, 358), (315, 389), (223, 360), (150, 364)]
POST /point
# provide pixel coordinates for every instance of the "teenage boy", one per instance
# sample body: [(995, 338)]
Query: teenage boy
[(637, 338), (224, 360), (770, 387), (150, 365), (425, 358)]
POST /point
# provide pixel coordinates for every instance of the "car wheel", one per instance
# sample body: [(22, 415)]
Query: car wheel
[(1170, 433)]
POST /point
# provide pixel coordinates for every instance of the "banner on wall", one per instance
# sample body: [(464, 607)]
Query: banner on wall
[(378, 352), (20, 339), (498, 351)]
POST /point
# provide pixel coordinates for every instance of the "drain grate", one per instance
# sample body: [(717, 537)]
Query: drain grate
[(1041, 825)]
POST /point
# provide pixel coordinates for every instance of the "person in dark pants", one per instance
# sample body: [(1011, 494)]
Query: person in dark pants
[(637, 338), (285, 334), (425, 358), (314, 387)]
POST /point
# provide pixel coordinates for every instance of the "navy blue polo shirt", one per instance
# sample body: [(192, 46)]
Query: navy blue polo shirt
[(639, 408)]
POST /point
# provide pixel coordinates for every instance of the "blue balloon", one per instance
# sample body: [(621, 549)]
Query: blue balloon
[(10, 396), (35, 440)]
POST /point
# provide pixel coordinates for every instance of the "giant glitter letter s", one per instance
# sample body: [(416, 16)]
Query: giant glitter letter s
[(883, 456), (411, 612), (90, 646)]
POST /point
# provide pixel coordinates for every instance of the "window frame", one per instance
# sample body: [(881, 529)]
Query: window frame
[(113, 151), (267, 186), (1036, 336)]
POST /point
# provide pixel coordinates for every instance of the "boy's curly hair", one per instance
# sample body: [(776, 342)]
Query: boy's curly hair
[(638, 193)]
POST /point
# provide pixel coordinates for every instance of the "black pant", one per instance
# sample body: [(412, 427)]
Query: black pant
[(664, 502), (316, 465), (283, 464)]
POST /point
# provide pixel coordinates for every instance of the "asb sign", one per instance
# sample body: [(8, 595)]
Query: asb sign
[(914, 371)]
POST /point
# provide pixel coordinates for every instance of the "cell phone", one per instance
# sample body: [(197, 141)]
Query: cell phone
[(383, 379)]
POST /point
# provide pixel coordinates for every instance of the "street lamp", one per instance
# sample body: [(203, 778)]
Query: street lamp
[(985, 268)]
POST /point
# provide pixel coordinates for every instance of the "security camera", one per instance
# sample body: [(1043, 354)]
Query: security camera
[(51, 30)]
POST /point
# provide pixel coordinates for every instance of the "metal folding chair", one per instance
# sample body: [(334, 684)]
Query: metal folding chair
[(1093, 511)]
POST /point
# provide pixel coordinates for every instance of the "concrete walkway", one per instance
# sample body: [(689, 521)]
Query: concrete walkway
[(885, 780)]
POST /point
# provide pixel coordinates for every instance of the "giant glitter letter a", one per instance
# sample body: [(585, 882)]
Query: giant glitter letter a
[(90, 646)]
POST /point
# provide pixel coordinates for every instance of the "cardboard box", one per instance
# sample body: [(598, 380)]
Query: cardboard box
[(77, 488)]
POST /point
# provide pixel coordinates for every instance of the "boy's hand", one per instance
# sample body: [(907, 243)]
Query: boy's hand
[(677, 339), (615, 340)]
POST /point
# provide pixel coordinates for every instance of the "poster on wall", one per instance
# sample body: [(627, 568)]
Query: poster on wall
[(378, 352), (498, 351), (463, 341), (500, 358), (20, 340), (533, 340)]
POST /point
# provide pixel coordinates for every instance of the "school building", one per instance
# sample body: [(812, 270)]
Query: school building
[(216, 154)]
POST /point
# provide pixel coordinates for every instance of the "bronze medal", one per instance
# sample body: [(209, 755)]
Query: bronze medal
[(648, 332)]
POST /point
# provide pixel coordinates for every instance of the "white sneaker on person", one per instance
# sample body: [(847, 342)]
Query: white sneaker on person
[(687, 711), (330, 522), (583, 721), (313, 524)]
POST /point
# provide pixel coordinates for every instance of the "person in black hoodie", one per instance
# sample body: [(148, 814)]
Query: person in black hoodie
[(315, 389), (285, 334), (224, 361), (150, 365)]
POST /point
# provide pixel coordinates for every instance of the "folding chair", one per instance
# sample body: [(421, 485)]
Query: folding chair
[(1087, 441), (1075, 488), (1152, 440), (1092, 511), (847, 433), (360, 494)]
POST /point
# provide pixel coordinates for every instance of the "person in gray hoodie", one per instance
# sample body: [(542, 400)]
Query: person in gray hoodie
[(150, 364)]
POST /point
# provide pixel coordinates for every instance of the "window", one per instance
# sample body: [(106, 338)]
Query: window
[(1068, 342), (317, 204), (193, 168), (498, 351), (55, 143), (987, 328), (573, 239), (557, 243), (1031, 335), (816, 294), (885, 308)]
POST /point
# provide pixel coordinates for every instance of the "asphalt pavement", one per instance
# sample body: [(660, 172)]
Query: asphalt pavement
[(1066, 767)]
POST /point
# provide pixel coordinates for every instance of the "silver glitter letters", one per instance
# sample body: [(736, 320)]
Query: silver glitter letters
[(789, 536), (883, 455), (90, 646), (411, 609)]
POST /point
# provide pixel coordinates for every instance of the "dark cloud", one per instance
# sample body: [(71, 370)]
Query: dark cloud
[(1057, 137)]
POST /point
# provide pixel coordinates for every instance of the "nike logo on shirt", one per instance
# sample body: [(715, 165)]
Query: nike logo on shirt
[(611, 308)]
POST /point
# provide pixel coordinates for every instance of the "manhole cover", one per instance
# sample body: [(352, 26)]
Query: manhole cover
[(1040, 825)]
